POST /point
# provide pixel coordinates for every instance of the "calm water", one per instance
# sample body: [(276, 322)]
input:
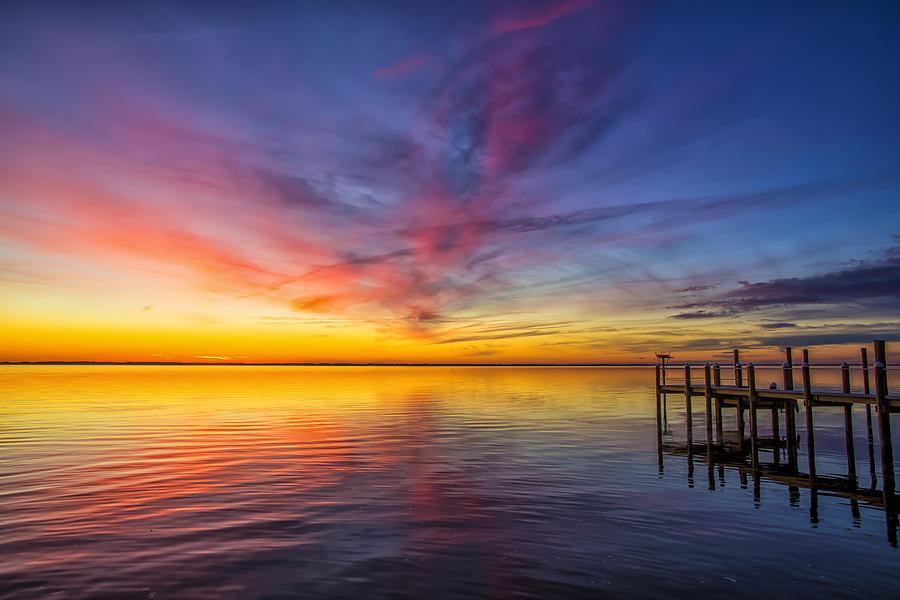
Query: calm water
[(283, 482)]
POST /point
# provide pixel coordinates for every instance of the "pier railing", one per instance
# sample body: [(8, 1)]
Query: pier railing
[(747, 399)]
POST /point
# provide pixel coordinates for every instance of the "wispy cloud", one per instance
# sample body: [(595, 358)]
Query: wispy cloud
[(400, 68), (867, 285), (554, 11)]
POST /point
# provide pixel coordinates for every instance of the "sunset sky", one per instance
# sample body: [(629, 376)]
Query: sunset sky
[(473, 182)]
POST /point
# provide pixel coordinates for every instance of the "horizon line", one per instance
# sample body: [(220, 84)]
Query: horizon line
[(376, 364)]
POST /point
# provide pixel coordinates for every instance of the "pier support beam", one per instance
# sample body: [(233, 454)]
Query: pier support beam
[(884, 435), (884, 438), (776, 436), (870, 436), (754, 425), (790, 417), (688, 413), (810, 440), (848, 426), (707, 393), (739, 382), (810, 433), (717, 381), (788, 369), (659, 432)]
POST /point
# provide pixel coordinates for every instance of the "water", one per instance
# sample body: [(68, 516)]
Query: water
[(383, 482)]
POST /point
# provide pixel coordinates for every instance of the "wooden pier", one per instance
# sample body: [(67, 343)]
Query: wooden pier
[(747, 400)]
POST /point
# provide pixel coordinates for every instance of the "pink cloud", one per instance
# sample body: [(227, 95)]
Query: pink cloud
[(557, 11), (400, 68)]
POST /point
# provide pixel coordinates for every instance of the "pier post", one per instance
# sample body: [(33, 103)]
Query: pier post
[(870, 435), (776, 427), (848, 425), (707, 383), (710, 473), (776, 434), (810, 433), (881, 356), (688, 415), (659, 435), (845, 377), (810, 440), (788, 369), (790, 417), (739, 382), (884, 434), (864, 356), (717, 381), (754, 429), (791, 426)]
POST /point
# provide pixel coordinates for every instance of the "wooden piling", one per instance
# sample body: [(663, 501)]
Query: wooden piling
[(688, 416), (717, 381), (845, 377), (659, 433), (884, 432), (788, 369), (810, 440), (739, 382), (791, 427), (790, 417), (776, 436), (707, 381), (864, 355), (881, 357), (848, 425), (754, 429), (870, 432), (810, 435)]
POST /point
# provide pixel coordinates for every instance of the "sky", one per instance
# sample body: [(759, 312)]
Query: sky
[(478, 182)]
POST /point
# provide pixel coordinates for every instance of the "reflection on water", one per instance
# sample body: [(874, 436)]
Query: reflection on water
[(280, 482)]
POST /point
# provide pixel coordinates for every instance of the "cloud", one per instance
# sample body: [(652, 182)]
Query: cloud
[(400, 68), (778, 325), (869, 285), (822, 339), (486, 337), (322, 303), (552, 13), (700, 314)]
